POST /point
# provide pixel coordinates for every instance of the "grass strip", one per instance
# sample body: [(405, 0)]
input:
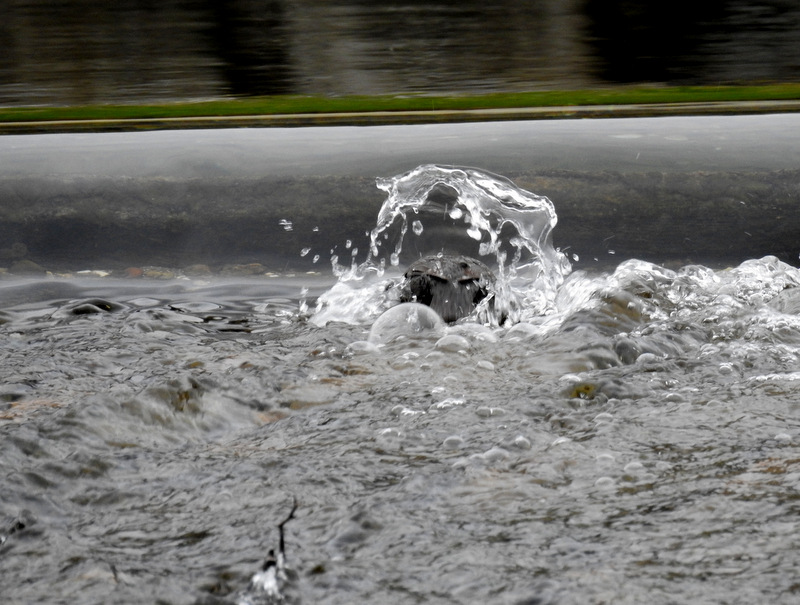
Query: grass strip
[(253, 106)]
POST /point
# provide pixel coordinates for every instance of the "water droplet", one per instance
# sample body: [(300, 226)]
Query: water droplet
[(348, 244), (305, 251), (575, 257), (287, 225), (354, 252), (417, 227), (456, 213), (394, 259), (315, 229), (316, 258), (474, 233)]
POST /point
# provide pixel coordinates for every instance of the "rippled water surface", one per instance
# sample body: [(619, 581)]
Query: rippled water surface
[(634, 441)]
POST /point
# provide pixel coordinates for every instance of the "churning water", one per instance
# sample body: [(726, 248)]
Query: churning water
[(624, 437)]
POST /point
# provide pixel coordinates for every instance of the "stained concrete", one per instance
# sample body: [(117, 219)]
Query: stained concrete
[(711, 189)]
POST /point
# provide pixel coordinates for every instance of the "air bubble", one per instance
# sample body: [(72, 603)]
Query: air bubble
[(522, 443), (634, 467), (453, 442), (406, 320), (452, 343), (495, 454), (486, 412), (604, 483), (605, 458)]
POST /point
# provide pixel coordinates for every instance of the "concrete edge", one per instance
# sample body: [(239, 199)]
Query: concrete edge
[(382, 118)]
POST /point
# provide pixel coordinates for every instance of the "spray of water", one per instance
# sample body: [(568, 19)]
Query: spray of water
[(510, 225)]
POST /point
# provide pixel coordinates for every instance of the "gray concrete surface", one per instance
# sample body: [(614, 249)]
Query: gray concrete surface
[(712, 189)]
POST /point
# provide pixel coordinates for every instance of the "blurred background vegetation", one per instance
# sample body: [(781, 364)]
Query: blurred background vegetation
[(83, 52)]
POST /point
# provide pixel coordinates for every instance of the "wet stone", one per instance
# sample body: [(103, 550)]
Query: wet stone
[(452, 285), (243, 270), (27, 267), (158, 273), (197, 270)]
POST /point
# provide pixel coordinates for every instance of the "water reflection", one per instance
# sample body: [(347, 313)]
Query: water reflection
[(73, 51)]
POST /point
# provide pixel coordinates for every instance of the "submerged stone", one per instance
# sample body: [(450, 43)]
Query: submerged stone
[(27, 267), (450, 284)]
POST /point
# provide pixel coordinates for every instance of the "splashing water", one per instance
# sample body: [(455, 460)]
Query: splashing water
[(463, 207)]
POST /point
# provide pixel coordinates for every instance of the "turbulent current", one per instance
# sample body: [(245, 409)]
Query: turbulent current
[(612, 437)]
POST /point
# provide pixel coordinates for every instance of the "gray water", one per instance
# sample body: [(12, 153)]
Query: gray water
[(636, 442), (74, 52)]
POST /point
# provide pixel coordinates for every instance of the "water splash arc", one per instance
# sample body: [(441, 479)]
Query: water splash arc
[(454, 207), (486, 203)]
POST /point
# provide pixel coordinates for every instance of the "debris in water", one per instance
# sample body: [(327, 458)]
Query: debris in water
[(266, 586)]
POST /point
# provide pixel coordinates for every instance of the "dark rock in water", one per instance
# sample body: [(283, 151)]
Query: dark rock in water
[(450, 284)]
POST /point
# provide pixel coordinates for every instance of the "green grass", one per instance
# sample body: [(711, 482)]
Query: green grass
[(299, 104)]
